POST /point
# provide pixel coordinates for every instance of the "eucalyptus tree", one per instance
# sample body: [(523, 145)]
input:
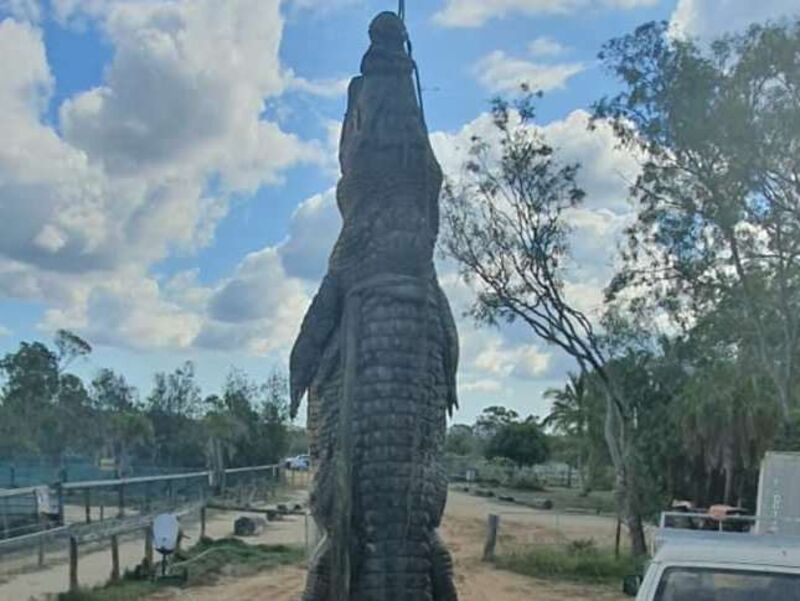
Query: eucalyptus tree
[(505, 226), (719, 194), (39, 397)]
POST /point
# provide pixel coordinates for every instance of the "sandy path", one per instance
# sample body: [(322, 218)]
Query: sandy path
[(463, 529)]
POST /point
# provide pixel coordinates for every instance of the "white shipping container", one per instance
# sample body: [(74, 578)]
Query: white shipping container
[(779, 494)]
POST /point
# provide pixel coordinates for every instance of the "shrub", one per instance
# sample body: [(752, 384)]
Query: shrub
[(525, 481)]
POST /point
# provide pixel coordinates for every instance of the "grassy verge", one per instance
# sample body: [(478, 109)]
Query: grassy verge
[(587, 565), (205, 562), (599, 501)]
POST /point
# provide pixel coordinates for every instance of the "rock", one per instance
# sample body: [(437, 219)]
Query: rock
[(249, 526)]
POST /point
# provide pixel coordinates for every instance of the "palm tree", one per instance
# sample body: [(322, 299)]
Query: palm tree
[(578, 414), (727, 421)]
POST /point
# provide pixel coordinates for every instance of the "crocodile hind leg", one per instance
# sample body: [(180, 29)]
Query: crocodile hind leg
[(318, 583), (444, 589)]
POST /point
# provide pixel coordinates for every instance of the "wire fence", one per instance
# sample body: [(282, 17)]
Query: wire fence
[(33, 472), (25, 511)]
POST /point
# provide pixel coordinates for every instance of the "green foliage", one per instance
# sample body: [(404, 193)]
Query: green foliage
[(209, 557), (578, 413), (257, 414), (112, 393), (522, 443), (40, 403), (579, 561), (462, 441), (175, 406), (70, 346), (525, 481), (493, 419), (718, 230)]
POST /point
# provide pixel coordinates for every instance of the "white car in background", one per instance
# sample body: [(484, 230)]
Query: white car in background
[(702, 565), (301, 463)]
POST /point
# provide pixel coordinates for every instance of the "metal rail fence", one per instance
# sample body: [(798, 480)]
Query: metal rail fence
[(39, 509), (24, 511)]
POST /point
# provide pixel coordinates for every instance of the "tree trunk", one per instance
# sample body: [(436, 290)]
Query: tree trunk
[(627, 486), (638, 539), (588, 472), (729, 473)]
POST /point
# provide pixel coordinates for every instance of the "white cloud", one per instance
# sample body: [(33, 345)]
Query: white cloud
[(480, 386), (258, 309), (711, 18), (524, 361), (130, 312), (499, 72), (5, 331), (185, 90), (140, 167), (326, 88), (545, 46), (474, 13), (22, 10), (607, 171), (323, 6), (313, 231)]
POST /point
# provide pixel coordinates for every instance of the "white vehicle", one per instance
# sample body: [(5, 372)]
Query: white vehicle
[(301, 463), (702, 565)]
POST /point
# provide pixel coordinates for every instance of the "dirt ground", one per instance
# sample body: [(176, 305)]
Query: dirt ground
[(464, 530)]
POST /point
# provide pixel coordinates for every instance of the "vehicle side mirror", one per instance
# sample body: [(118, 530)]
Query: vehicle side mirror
[(631, 585)]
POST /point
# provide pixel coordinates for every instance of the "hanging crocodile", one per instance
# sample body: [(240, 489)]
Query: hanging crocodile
[(378, 351)]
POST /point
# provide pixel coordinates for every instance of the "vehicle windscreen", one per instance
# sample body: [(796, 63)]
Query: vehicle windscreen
[(685, 584)]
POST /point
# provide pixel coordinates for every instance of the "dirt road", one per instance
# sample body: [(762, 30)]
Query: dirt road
[(463, 529)]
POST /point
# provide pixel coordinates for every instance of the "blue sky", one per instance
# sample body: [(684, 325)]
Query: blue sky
[(167, 169)]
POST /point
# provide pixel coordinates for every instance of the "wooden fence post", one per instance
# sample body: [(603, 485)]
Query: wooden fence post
[(42, 534), (6, 527), (60, 493), (203, 521), (491, 537), (618, 539), (148, 549), (121, 501), (88, 502), (114, 558), (73, 564)]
